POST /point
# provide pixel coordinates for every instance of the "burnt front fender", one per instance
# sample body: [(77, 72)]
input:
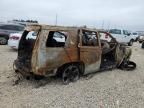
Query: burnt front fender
[(122, 53)]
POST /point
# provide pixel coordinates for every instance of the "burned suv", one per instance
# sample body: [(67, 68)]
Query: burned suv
[(69, 52)]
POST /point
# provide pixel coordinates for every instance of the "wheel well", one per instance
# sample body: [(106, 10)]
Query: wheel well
[(132, 40), (79, 64), (5, 36)]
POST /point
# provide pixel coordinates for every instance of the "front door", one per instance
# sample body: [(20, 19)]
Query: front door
[(126, 36), (90, 50)]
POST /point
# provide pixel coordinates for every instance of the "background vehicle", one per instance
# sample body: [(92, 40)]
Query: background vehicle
[(14, 39), (122, 36), (141, 38), (82, 52), (134, 36), (6, 29)]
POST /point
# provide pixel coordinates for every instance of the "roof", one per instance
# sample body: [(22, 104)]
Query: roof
[(65, 28)]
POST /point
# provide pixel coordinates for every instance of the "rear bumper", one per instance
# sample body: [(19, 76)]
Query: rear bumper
[(21, 68), (13, 44)]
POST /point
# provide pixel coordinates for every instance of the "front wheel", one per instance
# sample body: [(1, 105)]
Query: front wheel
[(71, 73), (127, 65), (130, 43)]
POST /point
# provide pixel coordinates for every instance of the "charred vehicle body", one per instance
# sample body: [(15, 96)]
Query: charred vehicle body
[(69, 52)]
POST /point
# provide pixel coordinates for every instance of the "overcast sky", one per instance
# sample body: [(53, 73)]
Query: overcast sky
[(127, 14)]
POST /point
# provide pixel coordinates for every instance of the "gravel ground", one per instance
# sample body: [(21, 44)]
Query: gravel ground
[(109, 89)]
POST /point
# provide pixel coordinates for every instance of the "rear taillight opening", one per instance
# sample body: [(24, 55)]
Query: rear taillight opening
[(14, 37)]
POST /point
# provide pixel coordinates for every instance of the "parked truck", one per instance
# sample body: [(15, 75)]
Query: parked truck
[(123, 36)]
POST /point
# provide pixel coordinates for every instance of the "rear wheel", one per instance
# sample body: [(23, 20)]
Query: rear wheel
[(71, 73), (142, 45), (130, 43), (3, 41)]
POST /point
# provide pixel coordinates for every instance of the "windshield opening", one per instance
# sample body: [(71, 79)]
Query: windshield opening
[(115, 31), (135, 34)]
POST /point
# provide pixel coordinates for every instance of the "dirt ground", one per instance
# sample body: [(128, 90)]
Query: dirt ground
[(109, 89)]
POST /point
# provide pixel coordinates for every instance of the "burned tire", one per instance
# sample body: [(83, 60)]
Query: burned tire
[(128, 66), (3, 41), (71, 73)]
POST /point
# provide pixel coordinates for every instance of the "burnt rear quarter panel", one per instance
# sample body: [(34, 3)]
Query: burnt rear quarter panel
[(46, 59)]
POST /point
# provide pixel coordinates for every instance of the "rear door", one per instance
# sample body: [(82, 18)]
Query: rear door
[(90, 50), (54, 51)]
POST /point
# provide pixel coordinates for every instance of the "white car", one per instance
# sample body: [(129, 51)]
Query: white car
[(14, 39), (122, 36)]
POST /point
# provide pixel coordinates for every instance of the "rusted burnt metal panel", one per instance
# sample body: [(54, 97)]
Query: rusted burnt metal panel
[(53, 58), (33, 28), (34, 58), (121, 53), (72, 39), (45, 59), (91, 56)]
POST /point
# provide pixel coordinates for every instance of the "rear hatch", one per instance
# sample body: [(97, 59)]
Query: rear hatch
[(26, 45)]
